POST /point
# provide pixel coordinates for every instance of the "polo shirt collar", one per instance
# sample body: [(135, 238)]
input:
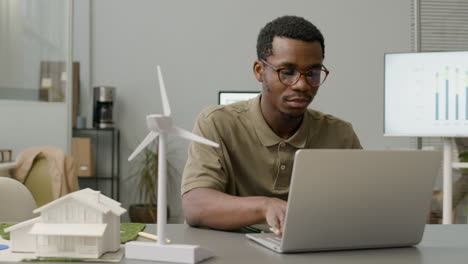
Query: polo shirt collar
[(267, 137)]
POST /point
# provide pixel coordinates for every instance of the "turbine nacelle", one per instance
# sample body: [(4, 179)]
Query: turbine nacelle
[(162, 124), (159, 123)]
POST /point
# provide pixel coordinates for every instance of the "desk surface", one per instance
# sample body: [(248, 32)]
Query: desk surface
[(441, 244)]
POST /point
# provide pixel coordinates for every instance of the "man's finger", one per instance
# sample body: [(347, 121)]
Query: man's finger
[(281, 219), (275, 230)]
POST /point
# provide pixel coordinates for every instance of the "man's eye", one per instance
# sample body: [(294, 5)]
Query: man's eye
[(312, 73), (287, 72)]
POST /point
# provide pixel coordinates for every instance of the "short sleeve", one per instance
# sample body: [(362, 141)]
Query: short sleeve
[(205, 164)]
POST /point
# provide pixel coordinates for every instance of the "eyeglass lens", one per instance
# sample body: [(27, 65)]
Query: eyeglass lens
[(313, 77)]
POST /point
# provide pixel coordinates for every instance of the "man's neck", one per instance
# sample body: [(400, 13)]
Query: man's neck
[(285, 126)]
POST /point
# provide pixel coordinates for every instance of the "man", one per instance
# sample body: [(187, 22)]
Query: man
[(246, 180)]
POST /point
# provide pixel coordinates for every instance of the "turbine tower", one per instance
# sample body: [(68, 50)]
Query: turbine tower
[(161, 126)]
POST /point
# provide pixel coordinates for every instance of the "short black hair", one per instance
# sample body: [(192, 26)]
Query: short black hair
[(292, 27)]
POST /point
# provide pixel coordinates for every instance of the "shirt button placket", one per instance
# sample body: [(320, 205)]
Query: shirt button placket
[(283, 178)]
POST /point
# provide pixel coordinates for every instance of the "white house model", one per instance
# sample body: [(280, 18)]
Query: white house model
[(82, 224)]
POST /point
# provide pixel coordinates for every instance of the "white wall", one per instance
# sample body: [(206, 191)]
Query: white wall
[(24, 124), (206, 46)]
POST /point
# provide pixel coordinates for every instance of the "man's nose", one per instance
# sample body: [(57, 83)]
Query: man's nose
[(302, 84)]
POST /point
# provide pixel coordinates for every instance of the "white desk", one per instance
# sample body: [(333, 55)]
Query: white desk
[(5, 168)]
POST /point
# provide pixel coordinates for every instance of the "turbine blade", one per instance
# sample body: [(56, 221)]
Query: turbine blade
[(190, 136), (165, 100), (150, 137)]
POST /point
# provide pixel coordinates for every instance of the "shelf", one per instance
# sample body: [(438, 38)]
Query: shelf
[(95, 129), (105, 149), (95, 178)]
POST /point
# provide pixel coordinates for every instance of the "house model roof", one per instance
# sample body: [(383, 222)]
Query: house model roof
[(23, 224), (92, 199)]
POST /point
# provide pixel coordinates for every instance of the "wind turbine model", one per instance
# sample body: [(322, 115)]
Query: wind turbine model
[(161, 125)]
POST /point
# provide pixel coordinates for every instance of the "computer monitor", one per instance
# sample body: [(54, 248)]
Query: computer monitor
[(426, 94), (229, 97)]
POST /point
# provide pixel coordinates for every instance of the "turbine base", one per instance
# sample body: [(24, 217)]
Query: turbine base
[(168, 252)]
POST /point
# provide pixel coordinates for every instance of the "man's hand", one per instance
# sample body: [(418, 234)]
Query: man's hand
[(211, 208), (275, 210)]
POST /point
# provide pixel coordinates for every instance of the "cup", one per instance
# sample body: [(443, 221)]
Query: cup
[(81, 122)]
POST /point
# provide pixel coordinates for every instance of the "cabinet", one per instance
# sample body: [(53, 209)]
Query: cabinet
[(105, 159)]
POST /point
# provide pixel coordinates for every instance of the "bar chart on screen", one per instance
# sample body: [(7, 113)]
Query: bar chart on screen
[(454, 94), (426, 94)]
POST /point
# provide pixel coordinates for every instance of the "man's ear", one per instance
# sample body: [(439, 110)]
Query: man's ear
[(258, 70)]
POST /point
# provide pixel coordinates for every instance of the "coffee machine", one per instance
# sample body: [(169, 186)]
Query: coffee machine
[(102, 107)]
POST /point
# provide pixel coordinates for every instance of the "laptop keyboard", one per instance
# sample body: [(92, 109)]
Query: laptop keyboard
[(268, 240), (274, 239)]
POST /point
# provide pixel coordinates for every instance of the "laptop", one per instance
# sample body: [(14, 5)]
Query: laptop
[(355, 199)]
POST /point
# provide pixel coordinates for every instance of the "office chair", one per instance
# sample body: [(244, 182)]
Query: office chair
[(48, 173), (16, 202), (39, 181)]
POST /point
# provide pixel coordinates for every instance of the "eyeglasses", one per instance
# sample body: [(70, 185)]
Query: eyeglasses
[(314, 77)]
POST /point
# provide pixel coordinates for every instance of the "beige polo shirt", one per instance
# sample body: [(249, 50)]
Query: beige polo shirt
[(252, 160)]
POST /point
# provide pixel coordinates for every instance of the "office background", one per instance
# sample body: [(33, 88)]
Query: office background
[(207, 45)]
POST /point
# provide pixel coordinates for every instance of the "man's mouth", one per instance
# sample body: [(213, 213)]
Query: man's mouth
[(298, 102)]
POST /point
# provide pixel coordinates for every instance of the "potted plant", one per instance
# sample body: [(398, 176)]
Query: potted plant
[(145, 173)]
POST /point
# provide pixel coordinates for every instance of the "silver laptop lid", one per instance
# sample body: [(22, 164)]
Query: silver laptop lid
[(341, 199)]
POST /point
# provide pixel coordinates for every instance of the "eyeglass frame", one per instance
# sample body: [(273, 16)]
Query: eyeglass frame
[(324, 69)]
